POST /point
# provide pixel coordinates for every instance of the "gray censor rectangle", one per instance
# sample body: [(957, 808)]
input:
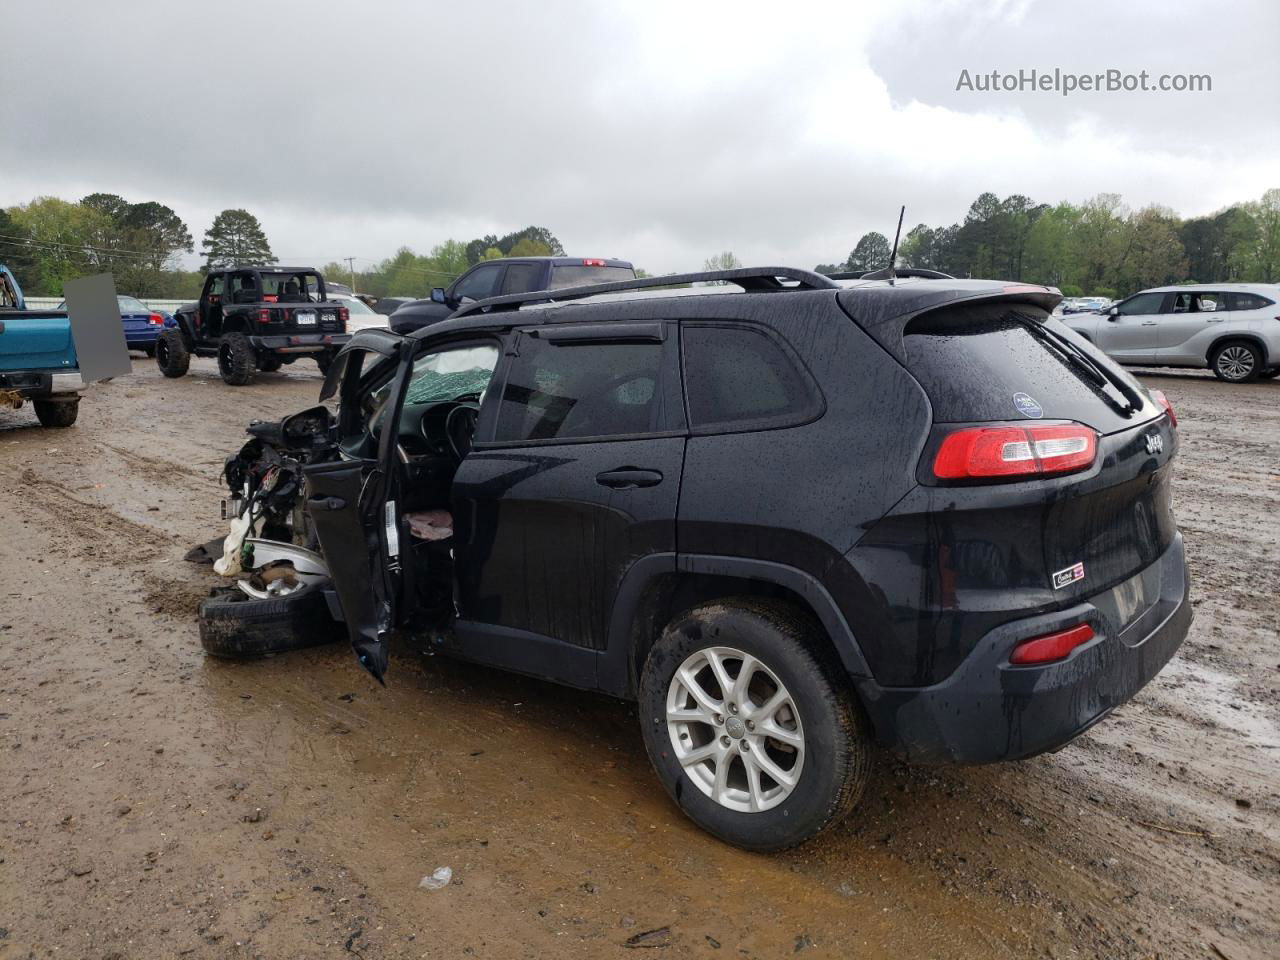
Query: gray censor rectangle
[(96, 327)]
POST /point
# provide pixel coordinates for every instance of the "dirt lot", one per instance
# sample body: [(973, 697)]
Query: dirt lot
[(154, 803)]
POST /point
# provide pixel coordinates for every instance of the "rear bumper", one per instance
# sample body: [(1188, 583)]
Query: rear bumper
[(142, 338), (988, 710), (35, 384), (300, 342)]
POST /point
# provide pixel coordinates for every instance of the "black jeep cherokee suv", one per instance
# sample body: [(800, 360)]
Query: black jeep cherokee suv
[(789, 516)]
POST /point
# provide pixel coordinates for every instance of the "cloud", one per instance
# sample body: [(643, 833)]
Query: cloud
[(660, 132)]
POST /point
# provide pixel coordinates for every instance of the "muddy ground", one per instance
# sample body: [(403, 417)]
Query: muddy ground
[(156, 803)]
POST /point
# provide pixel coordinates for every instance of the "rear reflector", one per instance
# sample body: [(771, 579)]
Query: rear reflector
[(1161, 399), (1051, 647), (984, 452)]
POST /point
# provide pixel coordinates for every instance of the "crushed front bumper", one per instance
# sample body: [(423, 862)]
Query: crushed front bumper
[(989, 710)]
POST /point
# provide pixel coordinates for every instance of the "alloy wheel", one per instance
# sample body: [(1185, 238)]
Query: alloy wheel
[(735, 729), (1235, 363)]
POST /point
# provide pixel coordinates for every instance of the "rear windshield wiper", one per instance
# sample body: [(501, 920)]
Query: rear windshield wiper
[(1099, 375)]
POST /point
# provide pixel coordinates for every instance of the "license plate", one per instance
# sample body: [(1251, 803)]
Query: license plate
[(306, 318)]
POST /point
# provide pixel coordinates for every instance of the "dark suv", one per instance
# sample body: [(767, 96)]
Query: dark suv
[(506, 276), (255, 318), (789, 517)]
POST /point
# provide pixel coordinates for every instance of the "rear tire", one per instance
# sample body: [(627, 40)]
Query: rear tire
[(234, 626), (57, 413), (1236, 361), (269, 363), (172, 356), (324, 361), (820, 774), (236, 359)]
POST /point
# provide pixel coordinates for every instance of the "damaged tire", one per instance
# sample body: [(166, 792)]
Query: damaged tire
[(57, 413), (236, 359), (172, 356), (234, 626)]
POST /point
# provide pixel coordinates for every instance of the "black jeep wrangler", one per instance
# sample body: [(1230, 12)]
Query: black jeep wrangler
[(255, 318), (789, 516)]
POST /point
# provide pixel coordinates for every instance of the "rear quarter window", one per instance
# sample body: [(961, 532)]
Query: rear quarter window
[(740, 377), (980, 363)]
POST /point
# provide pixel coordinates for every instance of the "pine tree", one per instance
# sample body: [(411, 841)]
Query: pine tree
[(235, 238)]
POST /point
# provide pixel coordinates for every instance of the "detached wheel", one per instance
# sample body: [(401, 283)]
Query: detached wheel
[(234, 626), (172, 356), (236, 359), (752, 729), (1236, 362), (57, 413)]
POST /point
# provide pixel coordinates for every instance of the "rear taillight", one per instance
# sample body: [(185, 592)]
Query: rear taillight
[(343, 315), (593, 263), (264, 315), (1161, 399), (1051, 647), (994, 452), (155, 320)]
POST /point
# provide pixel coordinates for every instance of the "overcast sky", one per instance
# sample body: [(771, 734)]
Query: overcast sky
[(662, 133)]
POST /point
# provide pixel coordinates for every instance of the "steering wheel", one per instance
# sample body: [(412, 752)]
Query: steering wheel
[(460, 428)]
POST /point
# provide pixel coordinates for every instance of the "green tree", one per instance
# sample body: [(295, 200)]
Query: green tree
[(871, 253), (16, 251), (722, 261), (60, 234), (235, 237), (479, 249)]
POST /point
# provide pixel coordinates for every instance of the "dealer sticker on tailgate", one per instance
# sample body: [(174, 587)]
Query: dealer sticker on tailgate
[(1064, 578)]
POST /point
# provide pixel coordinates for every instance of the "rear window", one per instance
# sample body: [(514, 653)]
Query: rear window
[(576, 275), (981, 363), (1247, 301), (738, 377)]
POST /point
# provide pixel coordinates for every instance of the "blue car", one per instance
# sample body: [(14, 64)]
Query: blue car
[(142, 325)]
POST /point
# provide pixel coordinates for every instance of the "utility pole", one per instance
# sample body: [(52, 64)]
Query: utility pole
[(352, 270)]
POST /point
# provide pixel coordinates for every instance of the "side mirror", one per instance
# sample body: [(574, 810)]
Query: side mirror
[(1113, 312), (437, 295)]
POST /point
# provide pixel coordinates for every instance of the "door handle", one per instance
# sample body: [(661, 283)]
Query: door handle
[(1215, 320), (626, 477), (327, 503), (1149, 323)]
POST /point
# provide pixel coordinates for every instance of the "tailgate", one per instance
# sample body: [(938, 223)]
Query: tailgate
[(36, 340)]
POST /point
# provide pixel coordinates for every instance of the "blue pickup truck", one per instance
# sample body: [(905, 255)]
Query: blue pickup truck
[(37, 358)]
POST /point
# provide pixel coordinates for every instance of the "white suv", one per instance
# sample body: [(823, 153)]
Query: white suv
[(1231, 328)]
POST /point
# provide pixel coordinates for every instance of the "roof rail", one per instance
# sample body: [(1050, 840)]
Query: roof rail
[(756, 279)]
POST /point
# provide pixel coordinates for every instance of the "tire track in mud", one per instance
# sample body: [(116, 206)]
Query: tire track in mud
[(85, 521)]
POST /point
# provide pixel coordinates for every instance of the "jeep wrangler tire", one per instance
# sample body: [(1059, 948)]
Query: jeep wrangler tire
[(324, 361), (269, 362), (57, 413), (751, 725), (236, 359), (172, 356), (235, 626)]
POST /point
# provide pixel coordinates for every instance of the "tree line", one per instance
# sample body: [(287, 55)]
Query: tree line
[(1097, 248)]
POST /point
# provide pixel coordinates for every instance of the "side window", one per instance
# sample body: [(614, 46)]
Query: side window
[(1142, 304), (243, 288), (478, 284), (213, 287), (521, 277), (739, 377), (1246, 301), (571, 390)]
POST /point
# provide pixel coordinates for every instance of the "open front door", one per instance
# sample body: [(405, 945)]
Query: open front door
[(353, 500)]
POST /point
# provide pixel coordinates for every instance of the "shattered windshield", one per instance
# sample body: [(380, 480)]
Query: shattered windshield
[(451, 374)]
